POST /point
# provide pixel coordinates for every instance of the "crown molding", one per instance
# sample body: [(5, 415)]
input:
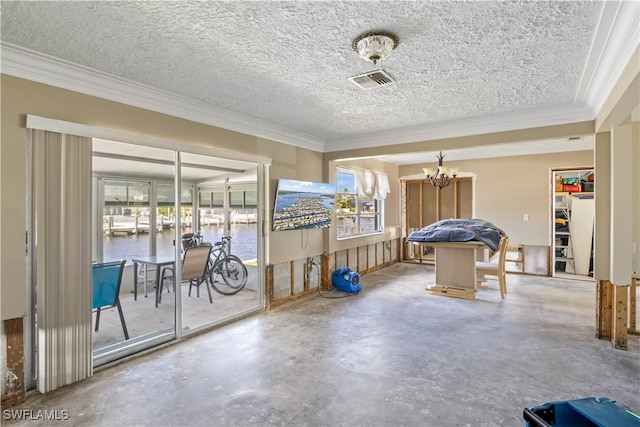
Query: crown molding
[(41, 68), (464, 127), (616, 39)]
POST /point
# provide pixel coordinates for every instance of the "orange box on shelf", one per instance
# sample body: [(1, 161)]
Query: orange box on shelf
[(571, 188), (558, 183)]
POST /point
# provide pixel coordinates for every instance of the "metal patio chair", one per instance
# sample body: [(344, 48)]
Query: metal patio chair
[(106, 281)]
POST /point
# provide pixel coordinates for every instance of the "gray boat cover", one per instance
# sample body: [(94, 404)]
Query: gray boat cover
[(459, 230)]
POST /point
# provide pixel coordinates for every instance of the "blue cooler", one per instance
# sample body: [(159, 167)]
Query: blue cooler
[(346, 280), (591, 411)]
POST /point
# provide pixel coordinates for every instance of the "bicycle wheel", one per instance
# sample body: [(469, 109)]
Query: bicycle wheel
[(209, 273), (228, 275)]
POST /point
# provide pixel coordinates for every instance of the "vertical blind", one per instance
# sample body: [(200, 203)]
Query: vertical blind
[(62, 190)]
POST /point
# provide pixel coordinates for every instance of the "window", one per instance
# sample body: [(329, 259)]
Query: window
[(128, 216), (125, 217), (358, 204), (211, 199), (166, 195), (250, 199), (237, 199), (124, 197)]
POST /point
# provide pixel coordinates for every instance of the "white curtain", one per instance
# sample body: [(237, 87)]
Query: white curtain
[(382, 186), (372, 185), (62, 198)]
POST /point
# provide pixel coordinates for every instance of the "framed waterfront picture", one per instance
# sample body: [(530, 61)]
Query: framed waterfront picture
[(303, 205)]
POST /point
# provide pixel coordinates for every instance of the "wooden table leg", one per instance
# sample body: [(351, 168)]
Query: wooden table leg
[(456, 267), (455, 272)]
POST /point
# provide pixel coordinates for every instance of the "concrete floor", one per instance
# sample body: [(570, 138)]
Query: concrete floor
[(143, 318), (393, 355)]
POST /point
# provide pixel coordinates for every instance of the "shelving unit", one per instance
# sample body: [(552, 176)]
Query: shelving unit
[(563, 249), (573, 219)]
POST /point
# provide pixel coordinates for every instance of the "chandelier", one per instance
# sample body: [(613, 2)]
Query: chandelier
[(442, 175), (375, 46)]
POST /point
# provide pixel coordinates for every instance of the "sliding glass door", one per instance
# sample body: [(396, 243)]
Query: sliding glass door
[(227, 218), (138, 219), (104, 226), (133, 209)]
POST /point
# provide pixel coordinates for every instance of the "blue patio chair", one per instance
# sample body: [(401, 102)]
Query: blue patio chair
[(106, 281)]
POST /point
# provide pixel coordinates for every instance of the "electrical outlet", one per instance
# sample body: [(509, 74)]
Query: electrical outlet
[(310, 264), (525, 217)]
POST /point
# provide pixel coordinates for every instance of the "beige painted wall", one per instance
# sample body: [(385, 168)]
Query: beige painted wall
[(294, 163), (561, 131), (520, 180), (506, 188), (21, 97), (636, 198)]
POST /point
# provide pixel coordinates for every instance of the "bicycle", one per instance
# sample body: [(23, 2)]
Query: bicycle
[(221, 263)]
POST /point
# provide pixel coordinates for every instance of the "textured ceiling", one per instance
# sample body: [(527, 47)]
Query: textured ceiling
[(287, 62)]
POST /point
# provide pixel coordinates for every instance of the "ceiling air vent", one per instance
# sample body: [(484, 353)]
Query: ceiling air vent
[(372, 79)]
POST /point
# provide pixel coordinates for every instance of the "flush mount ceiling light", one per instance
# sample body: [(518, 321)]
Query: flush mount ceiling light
[(375, 46)]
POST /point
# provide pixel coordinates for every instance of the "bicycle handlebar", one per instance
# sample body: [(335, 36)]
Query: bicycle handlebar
[(197, 236)]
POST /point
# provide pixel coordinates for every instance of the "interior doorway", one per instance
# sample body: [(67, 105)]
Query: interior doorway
[(573, 215), (423, 204)]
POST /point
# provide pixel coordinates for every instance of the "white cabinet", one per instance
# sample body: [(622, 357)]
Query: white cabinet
[(581, 227)]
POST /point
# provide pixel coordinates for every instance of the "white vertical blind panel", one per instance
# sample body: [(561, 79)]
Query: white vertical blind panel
[(63, 238)]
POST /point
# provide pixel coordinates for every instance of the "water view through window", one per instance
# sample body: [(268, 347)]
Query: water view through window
[(135, 210), (355, 214), (244, 242)]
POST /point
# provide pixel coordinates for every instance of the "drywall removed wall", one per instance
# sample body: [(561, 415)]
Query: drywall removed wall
[(515, 193), (298, 278)]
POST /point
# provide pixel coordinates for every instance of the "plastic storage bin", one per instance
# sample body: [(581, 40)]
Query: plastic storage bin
[(572, 188), (590, 411)]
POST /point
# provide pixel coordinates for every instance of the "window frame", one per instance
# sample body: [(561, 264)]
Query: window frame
[(357, 211)]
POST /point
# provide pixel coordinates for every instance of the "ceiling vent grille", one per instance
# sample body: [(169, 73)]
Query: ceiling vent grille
[(372, 79)]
